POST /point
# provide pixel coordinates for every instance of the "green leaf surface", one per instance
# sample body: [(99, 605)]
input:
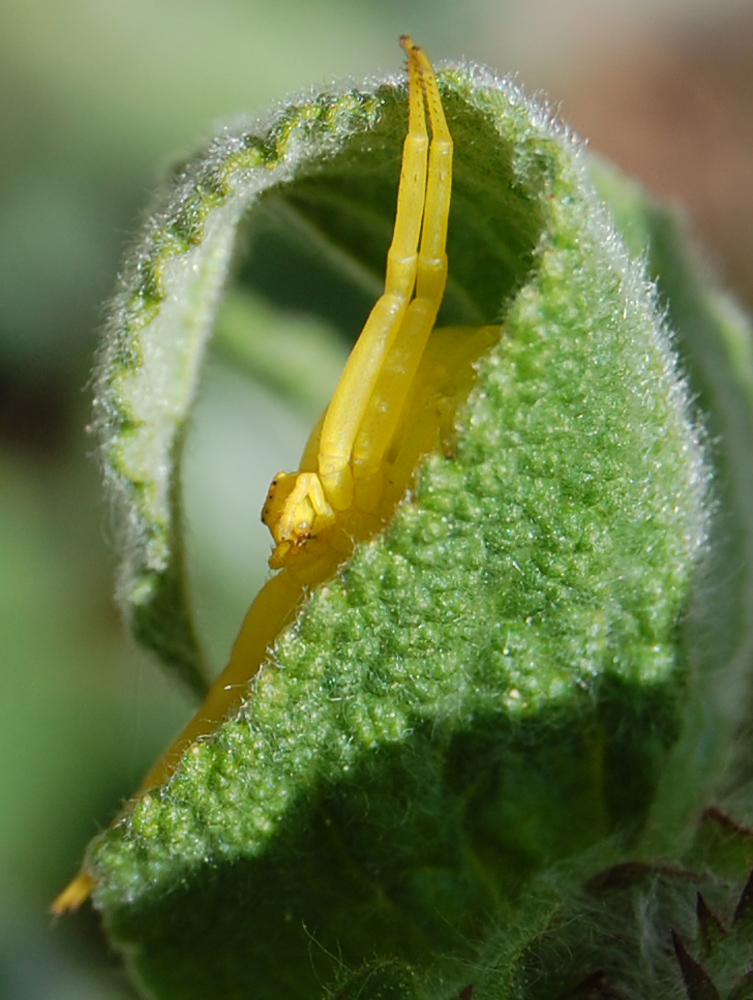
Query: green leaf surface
[(505, 683), (715, 341)]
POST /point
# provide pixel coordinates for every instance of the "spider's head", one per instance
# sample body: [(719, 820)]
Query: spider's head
[(294, 514)]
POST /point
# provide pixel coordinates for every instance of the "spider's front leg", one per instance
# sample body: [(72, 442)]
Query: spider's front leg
[(300, 506), (381, 421)]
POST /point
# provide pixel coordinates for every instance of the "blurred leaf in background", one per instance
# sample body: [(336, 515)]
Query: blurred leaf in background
[(99, 98)]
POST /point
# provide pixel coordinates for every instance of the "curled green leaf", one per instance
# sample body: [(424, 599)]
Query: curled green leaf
[(498, 685)]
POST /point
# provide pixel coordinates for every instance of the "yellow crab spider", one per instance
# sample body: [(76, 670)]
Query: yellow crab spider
[(359, 423), (395, 401)]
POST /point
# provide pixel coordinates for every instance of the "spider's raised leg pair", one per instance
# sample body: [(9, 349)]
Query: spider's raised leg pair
[(341, 476)]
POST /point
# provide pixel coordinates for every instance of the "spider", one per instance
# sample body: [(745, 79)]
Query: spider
[(396, 401)]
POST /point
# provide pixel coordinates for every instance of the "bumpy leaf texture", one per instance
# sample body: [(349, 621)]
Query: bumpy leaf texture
[(529, 670)]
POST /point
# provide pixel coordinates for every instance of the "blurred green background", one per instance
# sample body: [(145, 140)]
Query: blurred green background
[(98, 96)]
